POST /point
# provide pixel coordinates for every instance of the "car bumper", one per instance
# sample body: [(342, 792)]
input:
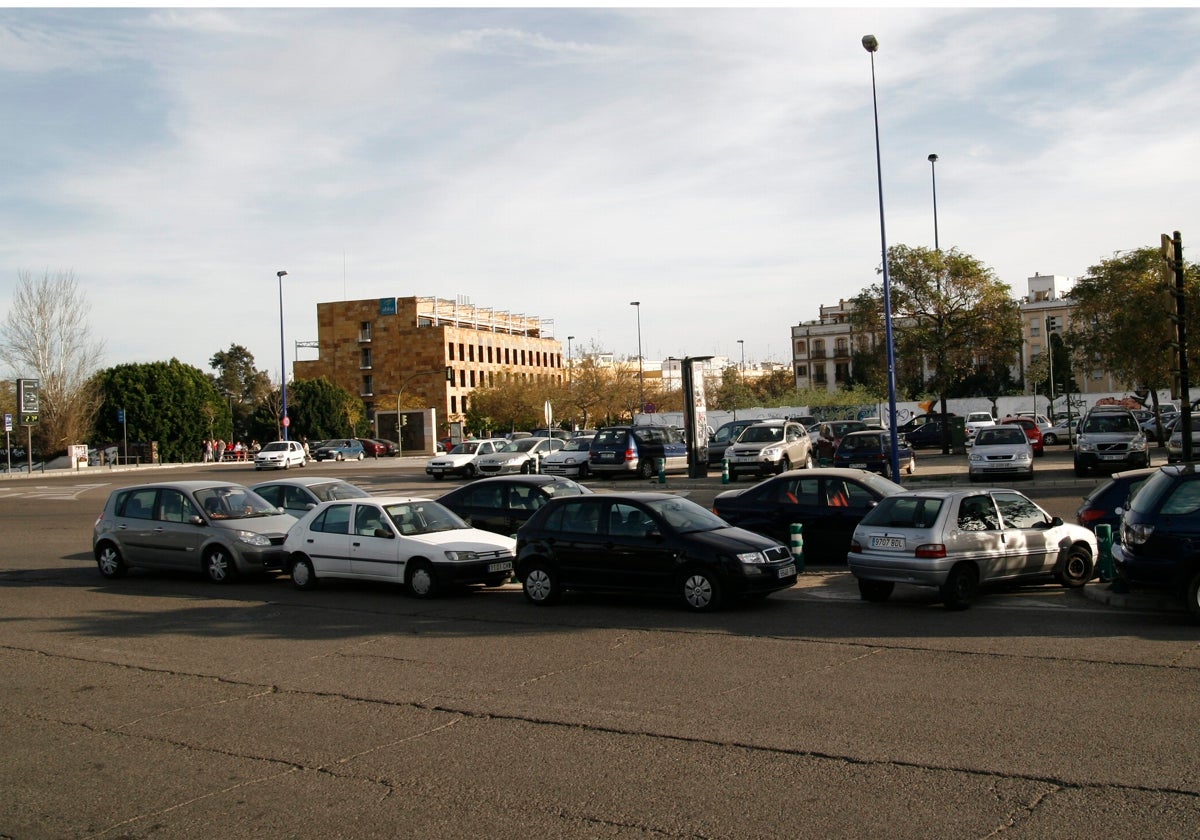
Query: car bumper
[(762, 580), (252, 559), (491, 572), (1149, 572), (1114, 461), (910, 570), (761, 466)]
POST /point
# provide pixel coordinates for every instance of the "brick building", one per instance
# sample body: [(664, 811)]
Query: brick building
[(395, 352)]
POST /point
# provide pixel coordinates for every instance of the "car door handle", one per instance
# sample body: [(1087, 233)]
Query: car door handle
[(356, 545)]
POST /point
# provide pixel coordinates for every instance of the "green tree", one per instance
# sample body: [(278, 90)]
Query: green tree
[(172, 403), (1122, 319), (951, 316), (243, 386), (318, 410)]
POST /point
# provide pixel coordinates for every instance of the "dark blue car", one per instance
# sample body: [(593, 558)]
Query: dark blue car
[(872, 451)]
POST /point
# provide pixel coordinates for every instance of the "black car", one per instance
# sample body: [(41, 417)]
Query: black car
[(828, 502), (926, 434), (1105, 504), (504, 503), (1160, 535), (654, 543)]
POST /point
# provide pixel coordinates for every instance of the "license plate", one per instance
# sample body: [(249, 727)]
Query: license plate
[(887, 542), (506, 566), (788, 570), (1112, 457), (862, 466)]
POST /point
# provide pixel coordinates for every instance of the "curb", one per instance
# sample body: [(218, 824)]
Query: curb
[(1145, 600)]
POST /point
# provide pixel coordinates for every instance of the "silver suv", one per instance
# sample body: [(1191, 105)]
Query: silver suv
[(769, 447), (1110, 438)]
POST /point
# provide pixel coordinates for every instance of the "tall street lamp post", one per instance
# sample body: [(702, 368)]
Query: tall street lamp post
[(941, 343), (933, 174), (284, 422), (570, 338), (641, 372), (871, 44)]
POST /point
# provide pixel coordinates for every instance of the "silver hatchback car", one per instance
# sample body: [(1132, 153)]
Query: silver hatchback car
[(956, 540), (218, 528)]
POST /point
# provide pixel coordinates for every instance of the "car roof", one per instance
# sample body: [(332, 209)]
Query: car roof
[(190, 486), (302, 481), (381, 500)]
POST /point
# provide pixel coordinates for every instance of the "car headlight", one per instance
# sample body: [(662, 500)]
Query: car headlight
[(1086, 446), (251, 538), (975, 456), (461, 556), (1138, 444), (772, 452), (1023, 456), (751, 558)]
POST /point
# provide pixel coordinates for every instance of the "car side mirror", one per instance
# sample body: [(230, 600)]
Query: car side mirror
[(384, 533), (196, 519), (1056, 521)]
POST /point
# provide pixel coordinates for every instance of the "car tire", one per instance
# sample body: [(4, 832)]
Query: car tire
[(785, 464), (645, 469), (961, 587), (1191, 595), (875, 591), (469, 471), (1080, 472), (286, 465), (1077, 568), (701, 590), (110, 562), (583, 472), (912, 465), (1050, 439), (421, 580), (540, 584), (732, 475), (303, 576), (360, 456), (438, 476), (219, 566), (527, 468), (339, 457), (808, 461)]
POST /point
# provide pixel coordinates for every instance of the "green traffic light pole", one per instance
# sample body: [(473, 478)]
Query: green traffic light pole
[(449, 374)]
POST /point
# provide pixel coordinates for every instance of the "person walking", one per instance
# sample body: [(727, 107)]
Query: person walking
[(220, 450), (208, 450)]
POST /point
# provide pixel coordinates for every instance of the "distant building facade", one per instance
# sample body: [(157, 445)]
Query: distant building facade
[(398, 349)]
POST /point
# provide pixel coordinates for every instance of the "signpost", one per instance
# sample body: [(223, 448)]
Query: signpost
[(29, 404)]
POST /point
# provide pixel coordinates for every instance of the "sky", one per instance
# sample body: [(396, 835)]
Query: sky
[(717, 165)]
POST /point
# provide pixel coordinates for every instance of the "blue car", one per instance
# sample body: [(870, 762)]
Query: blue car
[(872, 451), (340, 449)]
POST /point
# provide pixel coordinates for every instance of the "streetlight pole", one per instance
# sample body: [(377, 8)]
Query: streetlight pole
[(570, 338), (933, 174), (283, 422), (871, 44), (941, 327), (641, 372)]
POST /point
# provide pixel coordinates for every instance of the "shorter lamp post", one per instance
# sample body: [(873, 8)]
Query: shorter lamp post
[(283, 420), (641, 373)]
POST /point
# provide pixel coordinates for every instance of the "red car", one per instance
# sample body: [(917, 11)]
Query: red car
[(1032, 432), (376, 448)]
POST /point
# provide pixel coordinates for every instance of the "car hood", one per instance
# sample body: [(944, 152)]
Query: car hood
[(1000, 449), (728, 495), (455, 460), (271, 526), (732, 540), (466, 539), (501, 457)]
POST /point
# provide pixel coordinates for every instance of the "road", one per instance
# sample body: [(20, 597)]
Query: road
[(163, 706)]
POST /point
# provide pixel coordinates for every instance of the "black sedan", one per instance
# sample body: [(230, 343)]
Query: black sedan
[(652, 543), (504, 503), (828, 502)]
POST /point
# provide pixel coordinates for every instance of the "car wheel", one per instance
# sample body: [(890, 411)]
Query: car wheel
[(701, 591), (1050, 439), (219, 566), (422, 582), (808, 461), (912, 465), (469, 472), (732, 474), (960, 587), (1080, 472), (527, 468), (1077, 568), (875, 591), (540, 584), (303, 576), (339, 457), (360, 456), (110, 562), (785, 464), (286, 464), (645, 468), (1193, 597), (583, 471)]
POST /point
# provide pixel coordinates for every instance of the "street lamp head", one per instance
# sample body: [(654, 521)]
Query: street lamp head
[(933, 158), (281, 274), (635, 303), (870, 43), (570, 338)]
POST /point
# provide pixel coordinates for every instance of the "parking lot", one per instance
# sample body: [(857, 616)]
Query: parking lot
[(161, 705)]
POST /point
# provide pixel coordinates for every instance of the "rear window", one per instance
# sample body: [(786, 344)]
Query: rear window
[(905, 512), (611, 437)]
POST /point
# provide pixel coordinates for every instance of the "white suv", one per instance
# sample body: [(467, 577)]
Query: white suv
[(770, 447)]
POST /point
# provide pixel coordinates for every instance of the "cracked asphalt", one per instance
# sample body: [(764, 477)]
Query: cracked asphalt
[(162, 706)]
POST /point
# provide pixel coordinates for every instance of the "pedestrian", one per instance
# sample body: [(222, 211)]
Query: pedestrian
[(208, 450), (220, 447)]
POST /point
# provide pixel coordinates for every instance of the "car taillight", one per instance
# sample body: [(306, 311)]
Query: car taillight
[(931, 550), (855, 547), (631, 454), (1087, 517)]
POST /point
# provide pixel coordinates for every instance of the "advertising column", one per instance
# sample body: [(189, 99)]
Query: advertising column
[(695, 415)]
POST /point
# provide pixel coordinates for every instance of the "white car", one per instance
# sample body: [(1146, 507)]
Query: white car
[(518, 456), (977, 420), (957, 540), (461, 459), (280, 455), (999, 450), (411, 541), (571, 460)]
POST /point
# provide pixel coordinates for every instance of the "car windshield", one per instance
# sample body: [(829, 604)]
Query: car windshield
[(686, 516), (577, 445), (523, 445), (904, 512), (761, 434), (332, 490), (276, 446), (424, 517), (467, 447), (233, 502), (1109, 424), (861, 443), (979, 417), (999, 436)]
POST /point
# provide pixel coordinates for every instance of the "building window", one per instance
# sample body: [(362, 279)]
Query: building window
[(1035, 326), (801, 348), (461, 355), (489, 355), (471, 352), (364, 358), (368, 386), (841, 372), (454, 405), (472, 379), (818, 349), (841, 347), (802, 370), (450, 350), (364, 331), (464, 403)]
